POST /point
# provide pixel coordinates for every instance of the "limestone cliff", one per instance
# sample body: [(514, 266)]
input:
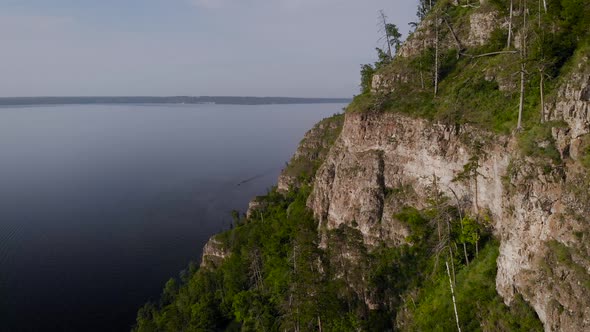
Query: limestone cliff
[(532, 188), (503, 134), (311, 152), (213, 254), (540, 209)]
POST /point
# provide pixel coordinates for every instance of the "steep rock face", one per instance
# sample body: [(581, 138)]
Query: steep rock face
[(474, 32), (481, 26), (213, 253), (572, 106), (311, 152), (377, 154), (545, 254), (255, 205), (540, 210)]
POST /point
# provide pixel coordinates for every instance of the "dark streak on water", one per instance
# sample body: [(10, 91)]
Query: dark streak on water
[(100, 205)]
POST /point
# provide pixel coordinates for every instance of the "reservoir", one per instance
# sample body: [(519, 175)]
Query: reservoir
[(101, 204)]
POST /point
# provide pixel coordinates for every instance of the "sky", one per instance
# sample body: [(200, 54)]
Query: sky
[(296, 48)]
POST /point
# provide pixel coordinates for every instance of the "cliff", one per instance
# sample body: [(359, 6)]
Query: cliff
[(538, 206), (453, 192), (383, 162)]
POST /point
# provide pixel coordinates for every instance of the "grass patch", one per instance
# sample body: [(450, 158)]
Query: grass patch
[(539, 142), (479, 305), (585, 151)]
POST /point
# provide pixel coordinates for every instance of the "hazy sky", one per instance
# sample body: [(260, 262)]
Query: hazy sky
[(307, 48)]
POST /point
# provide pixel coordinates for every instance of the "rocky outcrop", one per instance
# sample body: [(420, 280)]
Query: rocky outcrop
[(481, 26), (214, 253), (254, 205), (310, 153), (380, 155), (572, 105), (540, 209), (477, 31)]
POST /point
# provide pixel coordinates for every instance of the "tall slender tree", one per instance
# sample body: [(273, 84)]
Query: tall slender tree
[(395, 37), (510, 24), (436, 55), (523, 55), (384, 31)]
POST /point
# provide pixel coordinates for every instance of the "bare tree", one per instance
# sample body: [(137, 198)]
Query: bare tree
[(453, 295), (545, 5), (256, 269), (510, 23), (421, 69), (384, 31), (523, 55), (542, 91), (522, 91), (459, 208), (436, 47), (455, 38)]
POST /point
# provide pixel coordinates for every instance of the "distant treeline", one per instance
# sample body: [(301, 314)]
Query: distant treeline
[(167, 100)]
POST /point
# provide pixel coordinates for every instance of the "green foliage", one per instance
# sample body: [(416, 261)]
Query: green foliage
[(479, 306), (418, 224), (278, 278), (483, 91), (314, 148), (362, 103), (470, 231), (395, 37), (367, 72), (562, 256), (585, 151), (539, 142), (424, 7)]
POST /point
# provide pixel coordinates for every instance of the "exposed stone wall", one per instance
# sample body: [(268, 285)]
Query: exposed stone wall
[(377, 153), (540, 210), (311, 152), (214, 253)]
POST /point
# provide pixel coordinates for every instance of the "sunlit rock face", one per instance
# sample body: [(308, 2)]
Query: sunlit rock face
[(383, 161)]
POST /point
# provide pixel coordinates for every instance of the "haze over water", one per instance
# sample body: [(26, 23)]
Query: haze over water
[(100, 205)]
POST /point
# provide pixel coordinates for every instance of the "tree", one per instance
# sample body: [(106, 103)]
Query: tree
[(453, 295), (523, 55), (436, 56), (470, 233), (384, 31), (542, 75), (510, 23), (394, 36), (367, 72), (235, 215), (439, 204), (424, 6)]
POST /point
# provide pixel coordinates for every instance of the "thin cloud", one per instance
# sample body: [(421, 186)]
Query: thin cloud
[(209, 4), (22, 27)]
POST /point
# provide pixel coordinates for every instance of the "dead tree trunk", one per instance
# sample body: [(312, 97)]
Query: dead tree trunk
[(545, 5), (459, 208), (521, 105), (436, 65), (523, 54), (510, 23), (539, 16), (453, 295), (420, 64), (542, 91), (455, 38), (383, 23)]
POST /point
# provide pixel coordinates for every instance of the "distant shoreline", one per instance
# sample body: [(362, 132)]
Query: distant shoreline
[(31, 101)]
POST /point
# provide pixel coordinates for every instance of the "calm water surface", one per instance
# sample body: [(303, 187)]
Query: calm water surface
[(100, 205)]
